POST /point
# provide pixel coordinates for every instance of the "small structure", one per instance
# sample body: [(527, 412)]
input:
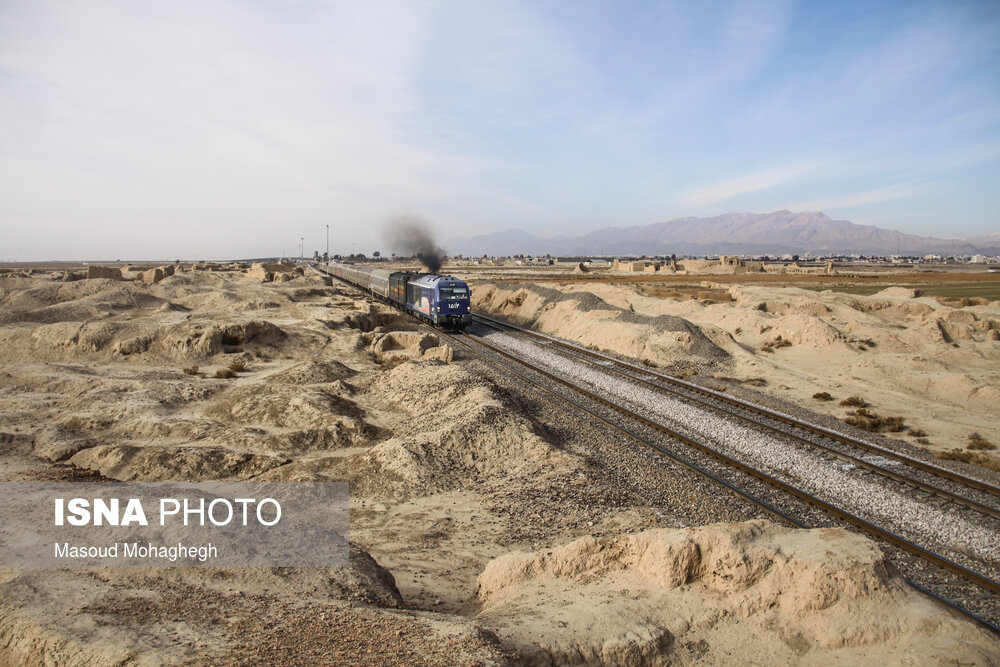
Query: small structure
[(633, 266)]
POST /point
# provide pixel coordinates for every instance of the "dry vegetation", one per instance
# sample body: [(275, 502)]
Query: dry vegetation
[(978, 442), (854, 402), (867, 420)]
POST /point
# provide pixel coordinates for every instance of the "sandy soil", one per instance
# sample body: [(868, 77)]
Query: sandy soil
[(477, 537), (933, 362)]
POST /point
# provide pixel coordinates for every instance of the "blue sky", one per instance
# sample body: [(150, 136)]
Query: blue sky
[(221, 129)]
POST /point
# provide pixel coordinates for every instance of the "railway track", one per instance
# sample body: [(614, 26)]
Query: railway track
[(973, 580), (963, 576), (768, 419)]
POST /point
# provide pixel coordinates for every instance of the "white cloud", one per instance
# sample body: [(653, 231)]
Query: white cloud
[(743, 184), (890, 193)]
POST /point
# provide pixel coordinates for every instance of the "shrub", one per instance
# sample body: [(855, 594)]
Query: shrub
[(969, 457), (854, 402), (917, 432), (893, 424), (867, 420), (238, 366), (191, 370), (225, 373), (771, 346), (978, 442), (863, 423), (823, 396)]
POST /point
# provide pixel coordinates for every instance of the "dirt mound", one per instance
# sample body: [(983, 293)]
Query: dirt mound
[(190, 615), (738, 593), (68, 339), (182, 342), (454, 430), (282, 406), (313, 372), (901, 293), (395, 347), (584, 317), (198, 340), (802, 329), (288, 418), (166, 463), (76, 301), (217, 300), (368, 317)]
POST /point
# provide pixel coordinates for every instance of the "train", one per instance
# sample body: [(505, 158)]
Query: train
[(442, 300)]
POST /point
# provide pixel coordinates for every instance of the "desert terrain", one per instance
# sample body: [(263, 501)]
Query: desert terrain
[(488, 525), (933, 361)]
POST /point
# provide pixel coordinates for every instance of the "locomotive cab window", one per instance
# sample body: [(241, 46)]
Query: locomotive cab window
[(453, 292)]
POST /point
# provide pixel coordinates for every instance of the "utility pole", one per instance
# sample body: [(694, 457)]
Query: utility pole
[(302, 250), (328, 248)]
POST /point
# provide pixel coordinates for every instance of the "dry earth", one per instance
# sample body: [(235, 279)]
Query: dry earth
[(477, 537), (934, 363)]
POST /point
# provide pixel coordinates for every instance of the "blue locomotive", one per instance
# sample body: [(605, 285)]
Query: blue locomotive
[(443, 300)]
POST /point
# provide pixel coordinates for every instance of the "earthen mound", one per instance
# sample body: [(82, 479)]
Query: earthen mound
[(368, 317), (738, 593), (313, 372), (76, 301), (589, 319), (901, 293), (395, 347), (451, 429), (282, 406), (167, 463), (187, 341), (134, 615)]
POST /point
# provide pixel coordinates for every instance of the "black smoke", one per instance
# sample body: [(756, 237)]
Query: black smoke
[(410, 236)]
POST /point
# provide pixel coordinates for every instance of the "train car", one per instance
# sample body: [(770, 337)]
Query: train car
[(360, 276), (397, 287), (444, 300), (380, 283)]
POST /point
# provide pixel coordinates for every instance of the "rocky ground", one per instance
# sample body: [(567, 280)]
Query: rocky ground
[(487, 526)]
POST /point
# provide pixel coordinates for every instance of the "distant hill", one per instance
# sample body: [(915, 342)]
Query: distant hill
[(779, 232)]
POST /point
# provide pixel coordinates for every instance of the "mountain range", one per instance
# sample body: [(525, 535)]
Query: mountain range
[(777, 233)]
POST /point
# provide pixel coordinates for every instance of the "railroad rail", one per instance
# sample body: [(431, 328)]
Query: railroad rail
[(713, 399), (511, 363), (765, 412), (983, 582)]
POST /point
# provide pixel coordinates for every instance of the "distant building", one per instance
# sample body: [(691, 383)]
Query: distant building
[(978, 259)]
